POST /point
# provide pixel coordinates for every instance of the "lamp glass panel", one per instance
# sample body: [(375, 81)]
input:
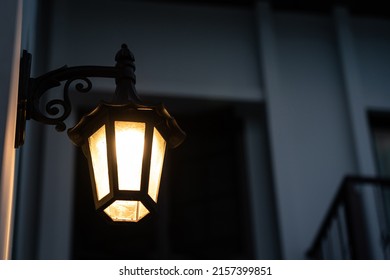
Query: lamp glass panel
[(129, 140), (98, 148), (156, 164), (126, 211)]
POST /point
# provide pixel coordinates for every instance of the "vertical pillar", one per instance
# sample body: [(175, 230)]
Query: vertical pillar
[(268, 59), (10, 42), (361, 135)]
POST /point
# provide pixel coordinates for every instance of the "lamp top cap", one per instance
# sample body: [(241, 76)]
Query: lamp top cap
[(124, 54)]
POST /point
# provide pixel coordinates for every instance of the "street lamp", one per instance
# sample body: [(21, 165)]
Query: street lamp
[(124, 141)]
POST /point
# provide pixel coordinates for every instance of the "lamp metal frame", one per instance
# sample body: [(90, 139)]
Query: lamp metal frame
[(126, 106)]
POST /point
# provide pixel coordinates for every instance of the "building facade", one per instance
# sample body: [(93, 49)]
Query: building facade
[(297, 97)]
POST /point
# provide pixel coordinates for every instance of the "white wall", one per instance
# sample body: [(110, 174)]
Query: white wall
[(315, 104), (321, 74), (309, 130), (180, 50)]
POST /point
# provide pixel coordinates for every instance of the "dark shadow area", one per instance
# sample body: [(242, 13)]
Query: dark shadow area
[(376, 8)]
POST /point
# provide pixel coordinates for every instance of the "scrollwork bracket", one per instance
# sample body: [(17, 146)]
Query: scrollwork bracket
[(33, 98)]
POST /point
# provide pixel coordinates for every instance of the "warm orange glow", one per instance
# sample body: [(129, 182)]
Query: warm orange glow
[(98, 148), (126, 211), (130, 138), (156, 164), (129, 144)]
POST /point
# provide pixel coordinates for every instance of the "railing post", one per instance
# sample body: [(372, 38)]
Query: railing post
[(355, 220)]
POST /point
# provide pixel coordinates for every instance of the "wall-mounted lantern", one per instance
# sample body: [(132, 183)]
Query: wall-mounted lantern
[(124, 141)]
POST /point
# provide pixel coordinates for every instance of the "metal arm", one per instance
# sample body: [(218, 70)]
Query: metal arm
[(56, 111)]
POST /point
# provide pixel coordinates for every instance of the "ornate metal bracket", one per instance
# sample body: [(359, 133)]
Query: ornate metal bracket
[(56, 111)]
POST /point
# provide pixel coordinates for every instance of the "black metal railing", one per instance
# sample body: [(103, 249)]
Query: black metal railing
[(357, 224)]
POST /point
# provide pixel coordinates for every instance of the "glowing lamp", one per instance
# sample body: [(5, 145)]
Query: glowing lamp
[(124, 141), (125, 147)]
